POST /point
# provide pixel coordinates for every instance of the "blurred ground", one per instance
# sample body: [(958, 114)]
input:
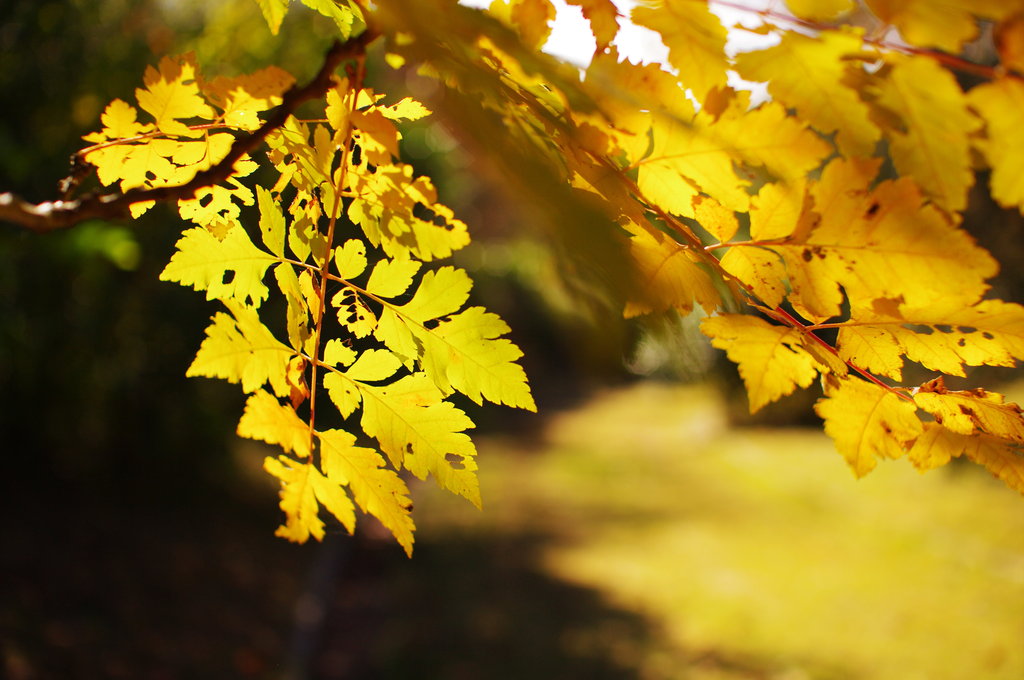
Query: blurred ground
[(635, 537)]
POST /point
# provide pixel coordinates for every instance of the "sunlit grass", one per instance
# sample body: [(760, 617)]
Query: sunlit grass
[(759, 546)]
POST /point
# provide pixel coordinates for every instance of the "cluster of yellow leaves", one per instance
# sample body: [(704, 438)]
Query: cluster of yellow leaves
[(346, 230), (190, 131), (799, 217)]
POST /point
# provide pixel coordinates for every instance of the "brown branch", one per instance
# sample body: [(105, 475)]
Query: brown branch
[(62, 214)]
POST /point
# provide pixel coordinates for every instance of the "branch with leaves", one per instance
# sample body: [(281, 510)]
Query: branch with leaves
[(64, 213), (836, 205)]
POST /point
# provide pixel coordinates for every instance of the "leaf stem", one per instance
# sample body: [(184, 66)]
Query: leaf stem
[(355, 86)]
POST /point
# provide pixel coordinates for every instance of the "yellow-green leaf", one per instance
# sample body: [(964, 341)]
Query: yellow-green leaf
[(377, 489), (172, 95), (466, 353), (240, 349), (391, 278), (228, 269), (268, 420), (421, 432)]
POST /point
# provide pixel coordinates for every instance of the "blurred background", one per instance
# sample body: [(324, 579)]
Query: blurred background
[(642, 525)]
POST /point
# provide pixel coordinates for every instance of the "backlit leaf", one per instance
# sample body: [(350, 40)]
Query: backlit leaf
[(772, 359), (240, 349), (228, 269), (867, 422), (377, 489)]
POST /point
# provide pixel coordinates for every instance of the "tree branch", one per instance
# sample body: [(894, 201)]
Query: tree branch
[(62, 214)]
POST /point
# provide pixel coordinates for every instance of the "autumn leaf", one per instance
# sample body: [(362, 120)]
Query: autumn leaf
[(669, 277), (1001, 105), (772, 359), (377, 489), (228, 269), (944, 337), (240, 349), (927, 123), (811, 74), (938, 445), (421, 432), (172, 95), (695, 39), (268, 420), (970, 412), (867, 422)]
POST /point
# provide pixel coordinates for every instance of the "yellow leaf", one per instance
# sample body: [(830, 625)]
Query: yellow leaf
[(119, 122), (531, 18), (945, 24), (819, 10), (339, 12), (867, 422), (354, 313), (343, 393), (759, 268), (930, 141), (391, 278), (242, 98), (337, 353), (715, 218), (405, 109), (466, 353), (374, 365), (808, 74), (377, 136), (384, 206), (772, 360), (273, 12), (935, 447), (441, 292), (240, 349), (423, 433), (876, 244), (268, 420), (938, 445), (971, 412), (350, 258), (603, 18), (172, 95), (688, 158), (668, 277), (272, 225), (298, 499), (944, 337), (695, 39), (377, 489), (230, 269), (777, 210), (1001, 105)]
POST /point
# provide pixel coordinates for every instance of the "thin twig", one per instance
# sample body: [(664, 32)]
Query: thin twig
[(62, 214)]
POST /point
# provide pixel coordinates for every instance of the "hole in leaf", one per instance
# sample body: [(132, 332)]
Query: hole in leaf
[(455, 461), (229, 276), (206, 200), (357, 154)]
